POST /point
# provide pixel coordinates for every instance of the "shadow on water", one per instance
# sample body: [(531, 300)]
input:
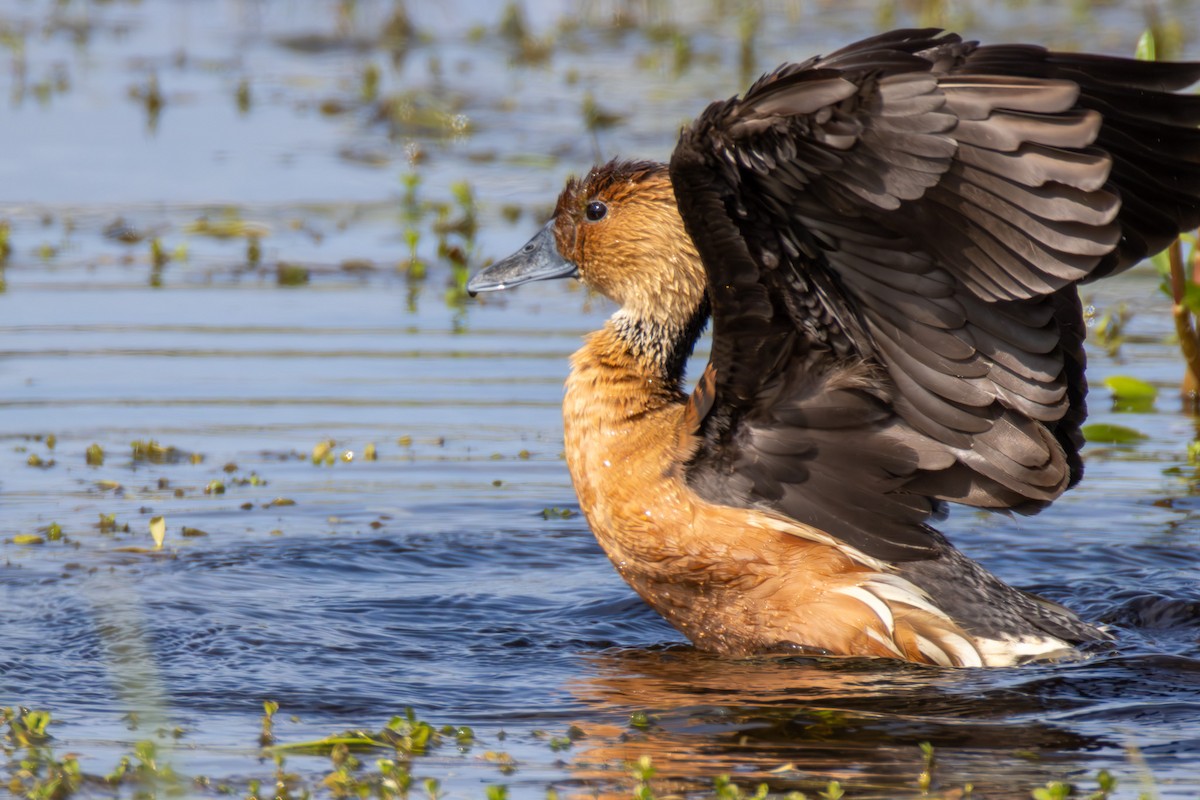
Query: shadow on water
[(367, 507)]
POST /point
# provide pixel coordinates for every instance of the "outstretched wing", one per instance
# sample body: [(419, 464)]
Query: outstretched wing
[(892, 236)]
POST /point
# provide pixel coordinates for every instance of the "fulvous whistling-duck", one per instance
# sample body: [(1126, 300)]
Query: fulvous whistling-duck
[(888, 241)]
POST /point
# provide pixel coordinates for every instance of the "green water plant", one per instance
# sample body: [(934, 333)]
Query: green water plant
[(1108, 433), (151, 98), (290, 274), (1178, 267), (1062, 790), (1107, 328), (527, 49), (554, 512), (149, 450), (406, 735), (642, 771), (5, 240), (36, 771), (227, 223), (108, 524), (1131, 394), (1179, 270), (726, 789), (925, 778), (242, 96)]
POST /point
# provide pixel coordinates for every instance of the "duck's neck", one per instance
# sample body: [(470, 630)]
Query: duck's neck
[(622, 411), (639, 358), (659, 349)]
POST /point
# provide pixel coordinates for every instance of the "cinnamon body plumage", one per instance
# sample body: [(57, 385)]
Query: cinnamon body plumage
[(888, 241)]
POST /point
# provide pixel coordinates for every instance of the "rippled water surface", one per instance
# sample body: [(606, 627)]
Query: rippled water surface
[(452, 573)]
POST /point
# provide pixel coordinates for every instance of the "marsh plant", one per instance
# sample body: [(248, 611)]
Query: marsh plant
[(385, 764)]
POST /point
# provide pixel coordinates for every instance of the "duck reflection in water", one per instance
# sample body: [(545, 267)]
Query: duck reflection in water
[(888, 242), (798, 722)]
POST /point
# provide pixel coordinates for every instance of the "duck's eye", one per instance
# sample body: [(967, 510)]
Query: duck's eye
[(595, 211)]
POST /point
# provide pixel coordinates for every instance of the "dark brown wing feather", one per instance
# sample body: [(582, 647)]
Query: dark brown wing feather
[(892, 236)]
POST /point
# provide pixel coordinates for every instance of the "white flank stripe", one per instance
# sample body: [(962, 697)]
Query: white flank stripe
[(883, 640), (874, 603), (1011, 650), (933, 651), (897, 589), (963, 650)]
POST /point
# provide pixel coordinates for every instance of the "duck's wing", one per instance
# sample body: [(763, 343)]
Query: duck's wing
[(892, 235)]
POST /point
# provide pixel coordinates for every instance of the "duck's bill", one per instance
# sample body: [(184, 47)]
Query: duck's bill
[(538, 260)]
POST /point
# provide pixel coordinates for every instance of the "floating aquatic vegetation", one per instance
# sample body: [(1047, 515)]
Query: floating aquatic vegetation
[(40, 774), (399, 29), (1131, 394), (149, 450), (596, 118), (158, 531), (322, 452), (288, 274), (420, 113), (121, 231), (369, 83), (242, 96), (150, 96), (527, 49), (1107, 327), (253, 479), (267, 736), (1108, 433), (158, 255), (253, 250), (108, 524), (228, 226), (639, 720)]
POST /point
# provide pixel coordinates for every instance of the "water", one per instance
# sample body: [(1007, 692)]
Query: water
[(431, 577)]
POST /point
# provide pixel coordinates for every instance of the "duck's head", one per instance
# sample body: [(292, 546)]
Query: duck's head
[(618, 231)]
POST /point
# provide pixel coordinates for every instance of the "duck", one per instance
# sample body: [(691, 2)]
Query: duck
[(887, 242)]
